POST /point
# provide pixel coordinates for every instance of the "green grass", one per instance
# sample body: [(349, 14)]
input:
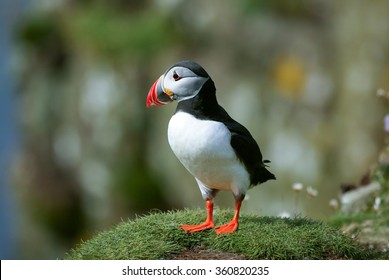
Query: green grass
[(158, 236), (370, 228)]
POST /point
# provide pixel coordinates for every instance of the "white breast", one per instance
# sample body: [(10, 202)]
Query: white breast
[(204, 148)]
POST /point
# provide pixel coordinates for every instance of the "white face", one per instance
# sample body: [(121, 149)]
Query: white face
[(182, 83)]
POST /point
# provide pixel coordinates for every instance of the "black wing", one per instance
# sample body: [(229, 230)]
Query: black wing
[(247, 150)]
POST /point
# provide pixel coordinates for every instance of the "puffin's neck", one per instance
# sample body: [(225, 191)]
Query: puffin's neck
[(204, 104)]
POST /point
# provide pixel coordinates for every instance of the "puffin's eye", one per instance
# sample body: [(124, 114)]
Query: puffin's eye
[(176, 77)]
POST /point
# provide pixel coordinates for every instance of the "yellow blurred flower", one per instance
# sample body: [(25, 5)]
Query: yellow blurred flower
[(290, 75)]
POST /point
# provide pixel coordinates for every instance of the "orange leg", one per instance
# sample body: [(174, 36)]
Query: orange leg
[(208, 222), (233, 224)]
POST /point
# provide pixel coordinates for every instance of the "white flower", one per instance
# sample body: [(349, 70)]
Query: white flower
[(284, 214), (312, 192), (297, 187), (381, 92), (377, 203), (333, 203)]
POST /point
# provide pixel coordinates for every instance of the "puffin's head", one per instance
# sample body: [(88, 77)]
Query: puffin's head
[(182, 81)]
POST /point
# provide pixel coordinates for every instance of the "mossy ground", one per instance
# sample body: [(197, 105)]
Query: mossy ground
[(370, 228), (158, 236)]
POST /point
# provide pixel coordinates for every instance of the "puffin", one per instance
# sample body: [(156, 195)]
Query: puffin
[(219, 152)]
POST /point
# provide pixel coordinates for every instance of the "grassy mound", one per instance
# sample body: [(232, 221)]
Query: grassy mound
[(368, 228), (158, 236)]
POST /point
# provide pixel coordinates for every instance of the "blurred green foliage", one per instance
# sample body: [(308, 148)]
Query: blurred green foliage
[(102, 31), (115, 34), (381, 175)]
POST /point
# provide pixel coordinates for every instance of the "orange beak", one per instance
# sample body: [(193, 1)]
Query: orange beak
[(157, 96)]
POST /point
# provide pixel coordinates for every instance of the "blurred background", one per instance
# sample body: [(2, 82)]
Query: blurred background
[(80, 152)]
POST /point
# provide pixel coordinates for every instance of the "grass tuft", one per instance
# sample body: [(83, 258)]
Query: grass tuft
[(158, 236)]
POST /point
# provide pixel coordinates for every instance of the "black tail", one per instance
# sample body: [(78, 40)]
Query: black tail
[(264, 175), (261, 174)]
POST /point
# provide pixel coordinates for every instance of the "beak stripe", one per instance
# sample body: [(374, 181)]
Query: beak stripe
[(168, 92), (157, 96)]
